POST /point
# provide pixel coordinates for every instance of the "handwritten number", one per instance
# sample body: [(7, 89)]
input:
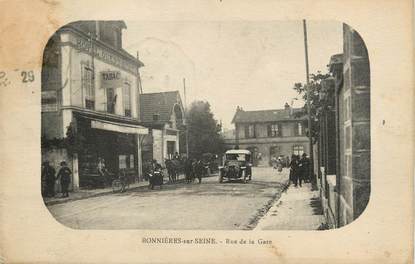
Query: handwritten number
[(28, 76)]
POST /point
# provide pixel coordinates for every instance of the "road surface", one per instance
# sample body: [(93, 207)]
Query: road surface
[(210, 205)]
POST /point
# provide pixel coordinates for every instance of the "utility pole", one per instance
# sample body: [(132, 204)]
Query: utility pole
[(185, 114), (308, 103)]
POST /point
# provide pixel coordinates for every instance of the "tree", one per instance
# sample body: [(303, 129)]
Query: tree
[(204, 130), (318, 101)]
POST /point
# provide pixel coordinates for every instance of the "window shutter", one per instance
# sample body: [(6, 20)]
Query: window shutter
[(269, 130), (279, 130), (295, 129)]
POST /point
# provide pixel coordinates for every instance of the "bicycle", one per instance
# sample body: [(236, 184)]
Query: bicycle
[(120, 184)]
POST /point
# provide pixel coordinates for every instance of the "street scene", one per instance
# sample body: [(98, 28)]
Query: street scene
[(249, 126), (180, 206)]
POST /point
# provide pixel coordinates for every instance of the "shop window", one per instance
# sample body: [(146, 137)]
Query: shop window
[(127, 99), (88, 87), (298, 150), (122, 161), (274, 130)]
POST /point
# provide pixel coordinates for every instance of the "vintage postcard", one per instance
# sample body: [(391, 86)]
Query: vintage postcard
[(206, 132)]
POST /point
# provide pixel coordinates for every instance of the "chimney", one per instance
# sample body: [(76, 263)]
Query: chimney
[(288, 109)]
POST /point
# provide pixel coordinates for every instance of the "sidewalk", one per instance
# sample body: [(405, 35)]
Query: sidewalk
[(297, 209), (84, 194)]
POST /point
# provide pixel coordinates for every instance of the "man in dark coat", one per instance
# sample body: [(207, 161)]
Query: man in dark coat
[(199, 170), (64, 175), (305, 168), (188, 170), (294, 170), (48, 178)]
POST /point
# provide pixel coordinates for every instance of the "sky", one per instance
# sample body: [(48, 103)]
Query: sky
[(252, 64)]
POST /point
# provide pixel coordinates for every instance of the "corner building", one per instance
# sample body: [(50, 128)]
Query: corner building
[(90, 86)]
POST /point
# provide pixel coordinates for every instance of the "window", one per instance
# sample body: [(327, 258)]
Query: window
[(122, 161), (88, 87), (250, 131), (274, 130), (131, 161), (298, 150), (298, 129), (127, 99), (111, 100)]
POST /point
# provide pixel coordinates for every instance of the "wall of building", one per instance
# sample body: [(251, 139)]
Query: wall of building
[(55, 156), (264, 147), (352, 179), (158, 145), (51, 126), (261, 129), (77, 59)]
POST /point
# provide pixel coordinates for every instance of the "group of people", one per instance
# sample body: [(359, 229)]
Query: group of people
[(49, 178), (299, 169), (194, 168)]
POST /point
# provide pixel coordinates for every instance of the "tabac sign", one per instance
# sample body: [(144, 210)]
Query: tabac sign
[(111, 79)]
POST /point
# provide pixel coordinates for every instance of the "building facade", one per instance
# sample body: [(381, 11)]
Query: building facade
[(90, 96), (163, 113), (270, 133), (344, 144)]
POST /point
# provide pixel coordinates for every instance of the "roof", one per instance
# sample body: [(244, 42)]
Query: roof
[(272, 115), (238, 151), (158, 103)]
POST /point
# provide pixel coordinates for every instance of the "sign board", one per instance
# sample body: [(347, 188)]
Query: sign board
[(111, 79)]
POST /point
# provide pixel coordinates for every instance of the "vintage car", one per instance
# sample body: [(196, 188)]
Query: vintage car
[(237, 165)]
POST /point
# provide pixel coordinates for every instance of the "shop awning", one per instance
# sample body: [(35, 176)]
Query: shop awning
[(119, 127)]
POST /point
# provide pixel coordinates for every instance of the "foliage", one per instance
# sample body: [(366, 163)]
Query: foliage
[(204, 130), (319, 101), (73, 142)]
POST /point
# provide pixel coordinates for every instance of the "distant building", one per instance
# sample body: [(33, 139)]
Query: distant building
[(89, 91), (163, 113), (268, 133), (343, 149)]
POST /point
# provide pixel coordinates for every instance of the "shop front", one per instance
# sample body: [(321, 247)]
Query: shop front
[(112, 145)]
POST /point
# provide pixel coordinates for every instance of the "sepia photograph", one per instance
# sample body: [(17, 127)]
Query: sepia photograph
[(222, 125), (207, 131)]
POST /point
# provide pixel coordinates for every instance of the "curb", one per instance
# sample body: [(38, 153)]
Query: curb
[(90, 196), (50, 203), (264, 210)]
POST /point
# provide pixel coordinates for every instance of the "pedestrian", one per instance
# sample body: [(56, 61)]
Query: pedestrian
[(188, 170), (199, 170), (48, 180), (103, 172), (156, 166), (279, 164), (287, 162), (64, 175), (305, 167), (274, 162), (294, 170)]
